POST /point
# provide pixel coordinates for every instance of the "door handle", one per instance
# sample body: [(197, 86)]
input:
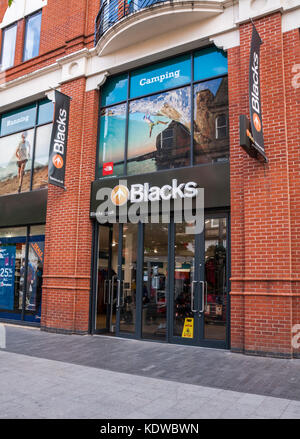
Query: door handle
[(107, 291), (118, 293), (202, 291), (193, 296)]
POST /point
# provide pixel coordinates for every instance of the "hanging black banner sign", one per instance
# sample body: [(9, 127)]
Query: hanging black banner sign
[(59, 139), (254, 94)]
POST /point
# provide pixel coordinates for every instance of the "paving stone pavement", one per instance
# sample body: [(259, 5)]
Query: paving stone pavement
[(45, 375), (37, 388)]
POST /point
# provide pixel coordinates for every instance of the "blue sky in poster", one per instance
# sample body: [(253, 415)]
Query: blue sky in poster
[(7, 276), (161, 76)]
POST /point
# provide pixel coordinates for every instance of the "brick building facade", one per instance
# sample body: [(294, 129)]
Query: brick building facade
[(260, 212)]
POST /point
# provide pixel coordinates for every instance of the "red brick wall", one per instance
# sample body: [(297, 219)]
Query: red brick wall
[(66, 288), (291, 48), (263, 198), (67, 26)]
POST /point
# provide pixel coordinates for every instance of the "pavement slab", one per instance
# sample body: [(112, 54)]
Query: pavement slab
[(45, 375)]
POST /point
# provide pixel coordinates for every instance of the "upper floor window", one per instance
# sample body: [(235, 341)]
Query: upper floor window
[(221, 126), (8, 47), (32, 36)]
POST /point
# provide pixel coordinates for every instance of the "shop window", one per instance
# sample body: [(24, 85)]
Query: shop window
[(21, 269), (12, 265), (209, 62), (221, 126), (112, 140), (151, 128), (161, 76), (35, 266), (210, 97), (32, 36), (24, 148), (114, 90), (8, 47), (41, 158), (159, 134), (45, 112)]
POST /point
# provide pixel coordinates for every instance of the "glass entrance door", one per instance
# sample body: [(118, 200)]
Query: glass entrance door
[(155, 281), (107, 278), (199, 291), (116, 283), (127, 284)]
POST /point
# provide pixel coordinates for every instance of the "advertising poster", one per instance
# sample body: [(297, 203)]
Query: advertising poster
[(34, 275), (7, 276), (16, 153)]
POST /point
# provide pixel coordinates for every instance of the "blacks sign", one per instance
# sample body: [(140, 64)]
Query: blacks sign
[(254, 138), (59, 140)]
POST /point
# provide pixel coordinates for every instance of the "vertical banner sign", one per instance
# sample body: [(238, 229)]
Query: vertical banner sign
[(59, 139), (7, 276), (254, 94)]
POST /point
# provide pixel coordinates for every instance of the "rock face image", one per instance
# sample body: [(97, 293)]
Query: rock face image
[(170, 112), (173, 146), (211, 133)]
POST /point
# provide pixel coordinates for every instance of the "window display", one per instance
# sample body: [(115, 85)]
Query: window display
[(21, 258), (169, 115), (159, 132), (24, 148)]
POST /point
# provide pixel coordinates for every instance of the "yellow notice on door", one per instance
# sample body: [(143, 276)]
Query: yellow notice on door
[(188, 329)]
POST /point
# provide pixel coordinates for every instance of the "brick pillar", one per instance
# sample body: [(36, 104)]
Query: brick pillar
[(66, 286), (20, 42), (291, 48), (261, 267)]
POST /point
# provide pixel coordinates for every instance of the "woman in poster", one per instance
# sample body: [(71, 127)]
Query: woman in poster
[(23, 155)]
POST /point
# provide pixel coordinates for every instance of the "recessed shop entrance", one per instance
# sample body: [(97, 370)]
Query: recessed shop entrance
[(158, 282)]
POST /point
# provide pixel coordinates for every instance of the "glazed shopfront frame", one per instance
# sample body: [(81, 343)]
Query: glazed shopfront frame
[(24, 137), (150, 280), (151, 291), (164, 122)]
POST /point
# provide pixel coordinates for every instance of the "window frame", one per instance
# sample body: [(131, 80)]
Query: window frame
[(23, 313), (218, 127), (127, 102), (15, 24), (27, 18)]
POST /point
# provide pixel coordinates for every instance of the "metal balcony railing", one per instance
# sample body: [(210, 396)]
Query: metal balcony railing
[(112, 11)]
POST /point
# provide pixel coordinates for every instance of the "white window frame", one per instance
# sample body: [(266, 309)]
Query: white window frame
[(218, 127)]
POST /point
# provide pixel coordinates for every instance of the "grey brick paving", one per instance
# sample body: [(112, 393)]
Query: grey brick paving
[(39, 388), (216, 383)]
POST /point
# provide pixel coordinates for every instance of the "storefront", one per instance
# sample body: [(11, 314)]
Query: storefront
[(164, 128), (24, 152)]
